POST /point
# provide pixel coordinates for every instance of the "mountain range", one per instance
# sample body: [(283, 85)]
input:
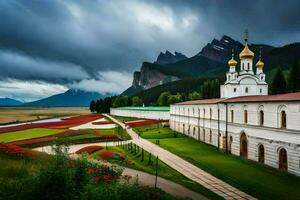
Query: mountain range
[(210, 62), (9, 102), (70, 98)]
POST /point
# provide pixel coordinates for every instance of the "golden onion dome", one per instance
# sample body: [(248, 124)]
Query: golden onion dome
[(246, 53), (232, 62), (260, 64)]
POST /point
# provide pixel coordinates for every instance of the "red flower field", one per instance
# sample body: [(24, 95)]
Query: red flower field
[(101, 123), (142, 123), (33, 141), (89, 149), (14, 150), (108, 154), (66, 123)]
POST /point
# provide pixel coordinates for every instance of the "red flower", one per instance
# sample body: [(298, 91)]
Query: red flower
[(89, 149), (101, 123), (142, 123)]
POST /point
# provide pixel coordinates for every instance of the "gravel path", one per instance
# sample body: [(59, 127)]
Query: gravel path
[(187, 169)]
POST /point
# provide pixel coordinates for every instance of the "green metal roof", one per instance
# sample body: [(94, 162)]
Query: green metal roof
[(149, 108)]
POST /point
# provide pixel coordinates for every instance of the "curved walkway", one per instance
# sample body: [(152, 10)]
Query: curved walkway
[(166, 185), (187, 169)]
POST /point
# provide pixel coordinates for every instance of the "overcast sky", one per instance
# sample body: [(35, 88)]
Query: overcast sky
[(49, 46)]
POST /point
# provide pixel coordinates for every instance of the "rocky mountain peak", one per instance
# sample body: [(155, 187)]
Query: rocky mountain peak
[(168, 57)]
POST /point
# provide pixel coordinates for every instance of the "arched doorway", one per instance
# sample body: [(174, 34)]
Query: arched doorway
[(261, 153), (283, 165), (243, 146)]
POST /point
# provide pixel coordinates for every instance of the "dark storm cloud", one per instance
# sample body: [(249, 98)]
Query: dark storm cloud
[(76, 42)]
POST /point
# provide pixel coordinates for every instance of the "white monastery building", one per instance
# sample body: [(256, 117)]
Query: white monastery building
[(246, 121)]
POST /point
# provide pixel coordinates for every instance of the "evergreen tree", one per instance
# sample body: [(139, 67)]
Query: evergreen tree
[(97, 107), (278, 84), (163, 99), (121, 101), (92, 106), (194, 95), (294, 78), (174, 99), (136, 101)]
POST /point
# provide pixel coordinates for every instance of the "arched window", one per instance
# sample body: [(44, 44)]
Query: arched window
[(261, 118), (243, 146), (210, 136), (245, 116), (283, 163), (210, 113), (248, 66), (283, 119), (203, 112), (232, 116), (234, 89), (261, 153), (246, 89)]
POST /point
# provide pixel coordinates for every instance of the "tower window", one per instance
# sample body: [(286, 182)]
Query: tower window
[(260, 90), (246, 89), (248, 68), (234, 89), (232, 116)]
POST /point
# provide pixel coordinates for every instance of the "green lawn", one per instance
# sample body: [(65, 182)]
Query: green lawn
[(125, 119), (156, 131), (28, 134), (256, 179), (163, 170)]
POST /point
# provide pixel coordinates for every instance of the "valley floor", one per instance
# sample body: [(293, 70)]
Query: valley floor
[(25, 114)]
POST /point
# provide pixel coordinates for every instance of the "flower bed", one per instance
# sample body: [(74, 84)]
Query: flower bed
[(142, 123), (37, 141), (112, 154), (101, 123), (14, 150), (66, 123), (89, 149), (102, 171)]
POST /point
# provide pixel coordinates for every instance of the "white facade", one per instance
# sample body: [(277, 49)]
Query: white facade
[(144, 114), (207, 123)]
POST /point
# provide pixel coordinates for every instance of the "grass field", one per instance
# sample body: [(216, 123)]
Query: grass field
[(156, 131), (256, 179), (125, 119), (22, 114), (163, 170), (28, 134)]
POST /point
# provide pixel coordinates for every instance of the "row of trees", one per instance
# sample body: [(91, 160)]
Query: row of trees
[(281, 84), (209, 89), (104, 105)]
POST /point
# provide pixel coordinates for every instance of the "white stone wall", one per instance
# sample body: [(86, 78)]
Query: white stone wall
[(198, 121), (144, 114)]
